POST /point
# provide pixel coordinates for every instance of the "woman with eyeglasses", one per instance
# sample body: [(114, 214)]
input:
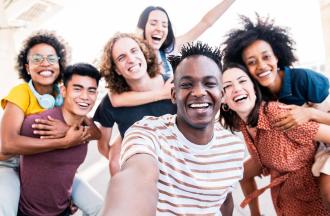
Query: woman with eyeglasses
[(40, 64)]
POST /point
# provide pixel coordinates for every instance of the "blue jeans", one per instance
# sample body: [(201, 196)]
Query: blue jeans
[(86, 198)]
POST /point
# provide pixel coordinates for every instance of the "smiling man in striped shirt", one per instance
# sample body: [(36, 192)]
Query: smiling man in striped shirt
[(183, 164)]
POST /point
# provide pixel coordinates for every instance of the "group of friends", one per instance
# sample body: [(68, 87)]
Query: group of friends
[(177, 151)]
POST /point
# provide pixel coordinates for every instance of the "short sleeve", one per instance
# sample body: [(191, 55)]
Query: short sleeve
[(318, 87), (103, 113), (18, 96), (138, 140)]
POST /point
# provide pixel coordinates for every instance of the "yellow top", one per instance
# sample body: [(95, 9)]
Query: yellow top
[(22, 96)]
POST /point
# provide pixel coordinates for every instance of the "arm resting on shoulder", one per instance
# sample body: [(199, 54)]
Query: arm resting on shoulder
[(14, 143), (321, 111), (133, 191), (323, 134), (132, 98)]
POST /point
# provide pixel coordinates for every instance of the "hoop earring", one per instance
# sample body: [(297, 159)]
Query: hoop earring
[(225, 107)]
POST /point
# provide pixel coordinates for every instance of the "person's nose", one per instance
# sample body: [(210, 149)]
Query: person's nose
[(199, 91)]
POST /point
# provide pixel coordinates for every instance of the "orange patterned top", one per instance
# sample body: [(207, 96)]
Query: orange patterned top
[(288, 157)]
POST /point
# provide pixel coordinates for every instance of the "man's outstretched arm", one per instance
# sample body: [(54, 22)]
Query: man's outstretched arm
[(133, 191)]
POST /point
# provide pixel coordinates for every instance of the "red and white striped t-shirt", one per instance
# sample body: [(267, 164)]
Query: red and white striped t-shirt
[(193, 179)]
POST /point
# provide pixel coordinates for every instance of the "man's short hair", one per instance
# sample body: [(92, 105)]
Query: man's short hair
[(194, 49), (82, 69)]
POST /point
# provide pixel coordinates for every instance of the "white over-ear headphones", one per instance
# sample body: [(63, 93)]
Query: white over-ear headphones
[(47, 101)]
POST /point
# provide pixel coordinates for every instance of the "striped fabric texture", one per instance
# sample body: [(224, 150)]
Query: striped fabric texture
[(193, 179)]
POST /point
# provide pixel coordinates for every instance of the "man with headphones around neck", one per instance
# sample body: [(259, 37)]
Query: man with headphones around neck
[(46, 178)]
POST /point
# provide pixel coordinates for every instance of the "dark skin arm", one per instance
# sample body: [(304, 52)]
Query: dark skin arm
[(14, 143), (53, 128), (227, 207)]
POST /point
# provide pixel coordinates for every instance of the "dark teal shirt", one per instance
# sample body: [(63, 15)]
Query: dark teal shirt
[(300, 86)]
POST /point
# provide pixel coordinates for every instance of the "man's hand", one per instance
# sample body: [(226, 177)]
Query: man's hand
[(294, 116), (76, 135), (50, 128)]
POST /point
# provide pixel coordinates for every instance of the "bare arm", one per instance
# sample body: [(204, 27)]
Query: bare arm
[(323, 134), (206, 22), (227, 207), (133, 191), (132, 98), (114, 155), (321, 112), (13, 143), (248, 183), (300, 114), (103, 142), (93, 131)]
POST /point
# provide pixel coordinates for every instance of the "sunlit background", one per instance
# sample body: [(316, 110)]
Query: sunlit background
[(87, 24)]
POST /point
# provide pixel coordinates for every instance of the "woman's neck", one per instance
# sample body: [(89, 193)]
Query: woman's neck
[(41, 89), (276, 87)]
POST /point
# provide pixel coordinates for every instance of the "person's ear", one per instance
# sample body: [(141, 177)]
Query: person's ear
[(63, 91), (173, 95), (27, 68)]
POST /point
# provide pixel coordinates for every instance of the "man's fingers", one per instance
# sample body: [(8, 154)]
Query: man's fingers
[(43, 121), (51, 118), (42, 127), (43, 132), (48, 137)]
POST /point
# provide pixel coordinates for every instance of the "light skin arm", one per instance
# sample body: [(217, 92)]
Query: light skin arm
[(13, 143), (114, 155), (323, 134), (132, 98), (206, 22), (133, 191), (248, 183), (103, 142), (110, 152)]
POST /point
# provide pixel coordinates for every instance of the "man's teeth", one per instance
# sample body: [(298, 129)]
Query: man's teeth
[(46, 73), (199, 105), (263, 74), (133, 68), (240, 97), (83, 104)]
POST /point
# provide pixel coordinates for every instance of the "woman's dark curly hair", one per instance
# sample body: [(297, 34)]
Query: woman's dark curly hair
[(115, 82), (169, 42), (277, 37), (229, 118), (47, 37)]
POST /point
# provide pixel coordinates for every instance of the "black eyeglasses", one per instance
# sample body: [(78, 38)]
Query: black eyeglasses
[(38, 59)]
